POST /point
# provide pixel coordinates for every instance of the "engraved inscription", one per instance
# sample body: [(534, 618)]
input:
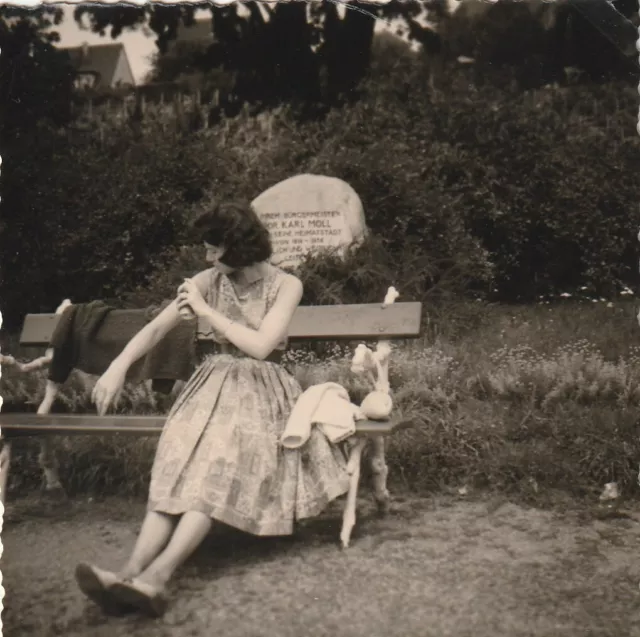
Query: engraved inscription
[(295, 234)]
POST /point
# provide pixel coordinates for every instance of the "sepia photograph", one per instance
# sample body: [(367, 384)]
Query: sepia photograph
[(320, 317)]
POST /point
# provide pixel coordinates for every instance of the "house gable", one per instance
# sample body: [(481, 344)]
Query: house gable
[(101, 66), (123, 75)]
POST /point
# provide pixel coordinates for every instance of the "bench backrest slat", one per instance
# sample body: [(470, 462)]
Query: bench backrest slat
[(311, 322)]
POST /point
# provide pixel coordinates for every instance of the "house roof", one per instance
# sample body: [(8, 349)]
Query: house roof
[(99, 58)]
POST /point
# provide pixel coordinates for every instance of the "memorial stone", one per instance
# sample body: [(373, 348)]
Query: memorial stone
[(309, 213)]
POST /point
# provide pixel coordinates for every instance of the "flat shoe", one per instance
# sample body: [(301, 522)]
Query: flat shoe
[(97, 585), (146, 598)]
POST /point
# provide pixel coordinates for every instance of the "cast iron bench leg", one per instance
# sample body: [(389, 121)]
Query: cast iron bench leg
[(353, 467), (379, 472), (47, 457), (5, 463)]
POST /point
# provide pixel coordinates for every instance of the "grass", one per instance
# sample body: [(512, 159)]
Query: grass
[(437, 567), (516, 399)]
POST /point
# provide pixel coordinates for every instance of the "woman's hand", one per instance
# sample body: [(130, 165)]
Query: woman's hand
[(108, 387), (189, 297)]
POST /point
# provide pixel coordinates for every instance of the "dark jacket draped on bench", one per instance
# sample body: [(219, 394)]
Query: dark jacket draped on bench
[(89, 336)]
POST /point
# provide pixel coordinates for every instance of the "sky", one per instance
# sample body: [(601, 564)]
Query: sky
[(138, 44)]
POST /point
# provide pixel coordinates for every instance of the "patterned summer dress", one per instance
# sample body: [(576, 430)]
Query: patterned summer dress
[(219, 452)]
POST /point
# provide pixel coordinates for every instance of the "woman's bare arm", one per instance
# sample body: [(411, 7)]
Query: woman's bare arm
[(152, 333), (274, 327)]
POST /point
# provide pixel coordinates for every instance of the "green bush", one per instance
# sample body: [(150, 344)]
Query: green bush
[(553, 210), (93, 219)]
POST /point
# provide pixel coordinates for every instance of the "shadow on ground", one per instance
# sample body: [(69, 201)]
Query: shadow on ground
[(438, 566)]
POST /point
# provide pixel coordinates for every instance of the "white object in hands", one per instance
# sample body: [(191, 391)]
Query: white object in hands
[(186, 312)]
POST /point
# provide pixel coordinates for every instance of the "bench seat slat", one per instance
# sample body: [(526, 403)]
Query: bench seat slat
[(15, 425)]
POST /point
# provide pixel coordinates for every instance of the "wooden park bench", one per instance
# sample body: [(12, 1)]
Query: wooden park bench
[(366, 322)]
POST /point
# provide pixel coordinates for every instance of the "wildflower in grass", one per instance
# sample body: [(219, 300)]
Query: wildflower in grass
[(575, 371)]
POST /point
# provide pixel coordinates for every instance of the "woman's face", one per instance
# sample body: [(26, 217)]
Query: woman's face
[(213, 256)]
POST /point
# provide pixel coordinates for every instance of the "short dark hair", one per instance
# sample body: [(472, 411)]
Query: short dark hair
[(237, 228)]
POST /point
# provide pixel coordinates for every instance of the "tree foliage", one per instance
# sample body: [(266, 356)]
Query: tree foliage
[(35, 78), (268, 54), (533, 42), (35, 100), (271, 53)]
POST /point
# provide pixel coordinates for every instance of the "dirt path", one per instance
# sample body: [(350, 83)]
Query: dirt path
[(434, 567)]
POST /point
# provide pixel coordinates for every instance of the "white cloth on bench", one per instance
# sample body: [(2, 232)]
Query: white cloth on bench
[(326, 405)]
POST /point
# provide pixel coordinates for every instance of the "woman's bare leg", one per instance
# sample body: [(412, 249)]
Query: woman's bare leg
[(154, 535), (191, 530)]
